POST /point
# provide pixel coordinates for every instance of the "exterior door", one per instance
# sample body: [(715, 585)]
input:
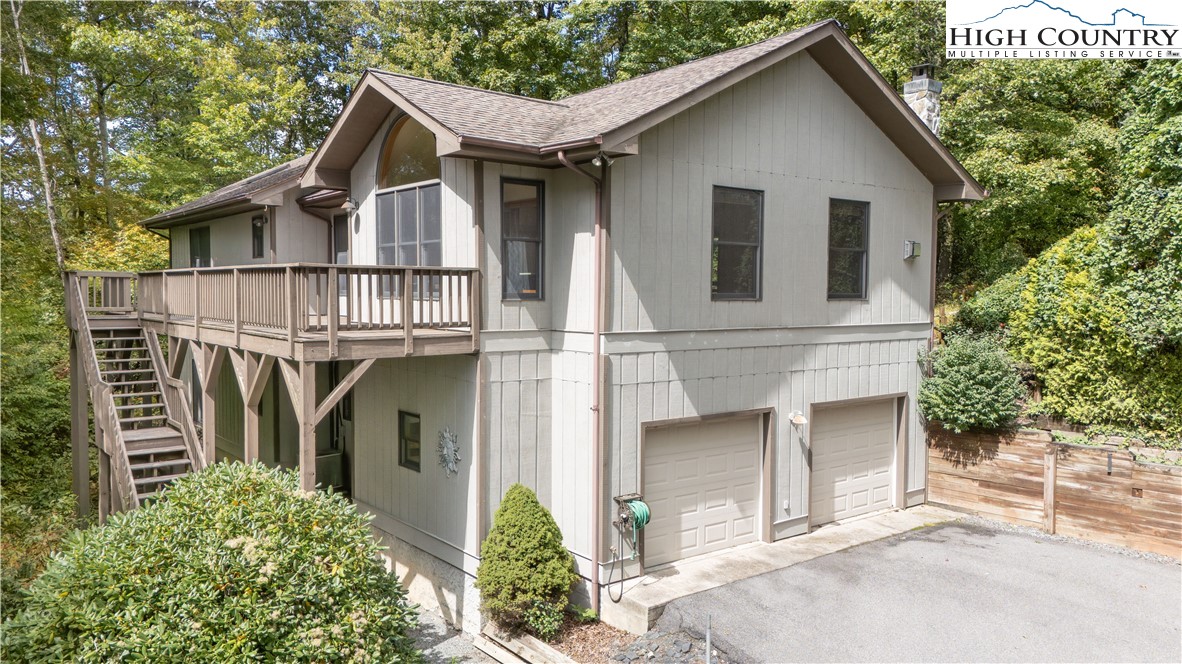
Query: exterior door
[(701, 482), (340, 248), (853, 451)]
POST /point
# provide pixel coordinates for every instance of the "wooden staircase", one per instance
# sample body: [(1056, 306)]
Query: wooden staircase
[(156, 451), (142, 420)]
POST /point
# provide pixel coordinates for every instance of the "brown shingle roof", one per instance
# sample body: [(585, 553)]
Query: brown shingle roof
[(472, 112), (238, 192)]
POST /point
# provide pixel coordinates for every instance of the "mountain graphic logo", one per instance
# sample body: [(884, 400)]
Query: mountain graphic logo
[(1120, 12)]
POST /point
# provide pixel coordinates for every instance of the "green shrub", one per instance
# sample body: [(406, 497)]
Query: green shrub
[(526, 574), (989, 311), (236, 563), (973, 385)]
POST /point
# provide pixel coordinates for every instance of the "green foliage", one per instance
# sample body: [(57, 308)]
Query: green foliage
[(235, 564), (525, 574), (973, 385), (990, 310), (1098, 316), (1041, 136), (583, 615)]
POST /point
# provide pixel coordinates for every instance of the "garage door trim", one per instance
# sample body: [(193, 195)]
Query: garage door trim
[(901, 402), (767, 422)]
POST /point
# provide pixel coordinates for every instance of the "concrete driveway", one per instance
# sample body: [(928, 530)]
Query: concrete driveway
[(963, 591)]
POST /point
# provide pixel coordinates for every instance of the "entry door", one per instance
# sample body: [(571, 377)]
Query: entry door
[(701, 483), (853, 449)]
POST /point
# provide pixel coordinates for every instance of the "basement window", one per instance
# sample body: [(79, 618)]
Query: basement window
[(737, 244), (849, 233), (410, 447)]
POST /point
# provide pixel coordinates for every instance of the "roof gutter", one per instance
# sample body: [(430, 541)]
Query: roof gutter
[(596, 375), (537, 151)]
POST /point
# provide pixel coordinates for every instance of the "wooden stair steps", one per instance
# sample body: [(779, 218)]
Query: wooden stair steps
[(133, 382), (157, 479), (175, 447), (145, 418), (167, 463), (129, 395), (133, 406)]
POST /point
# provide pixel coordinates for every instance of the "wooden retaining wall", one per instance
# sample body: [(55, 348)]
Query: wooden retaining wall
[(1095, 493)]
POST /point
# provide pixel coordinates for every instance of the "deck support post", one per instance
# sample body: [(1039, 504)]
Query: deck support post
[(79, 429), (307, 418), (211, 370), (258, 369), (104, 485)]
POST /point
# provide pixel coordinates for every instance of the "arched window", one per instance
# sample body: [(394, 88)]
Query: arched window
[(409, 223), (408, 155)]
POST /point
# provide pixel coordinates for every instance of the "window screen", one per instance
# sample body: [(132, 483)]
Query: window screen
[(849, 234), (521, 233), (736, 252)]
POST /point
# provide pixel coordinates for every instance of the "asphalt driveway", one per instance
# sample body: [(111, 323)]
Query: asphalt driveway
[(962, 591)]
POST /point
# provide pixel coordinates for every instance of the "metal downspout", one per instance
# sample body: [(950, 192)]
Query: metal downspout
[(596, 382)]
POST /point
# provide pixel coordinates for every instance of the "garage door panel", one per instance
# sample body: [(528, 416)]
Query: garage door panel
[(714, 488), (853, 456)]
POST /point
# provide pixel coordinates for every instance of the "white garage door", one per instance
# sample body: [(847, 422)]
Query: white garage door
[(853, 453), (701, 483)]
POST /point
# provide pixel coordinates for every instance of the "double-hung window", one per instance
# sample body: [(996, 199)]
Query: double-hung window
[(521, 239), (849, 235), (736, 251)]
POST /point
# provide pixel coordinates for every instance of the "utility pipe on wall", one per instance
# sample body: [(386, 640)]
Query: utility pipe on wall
[(596, 376)]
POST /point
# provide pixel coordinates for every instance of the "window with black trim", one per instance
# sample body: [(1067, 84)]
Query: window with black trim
[(849, 238), (410, 447), (736, 254), (256, 236), (522, 227)]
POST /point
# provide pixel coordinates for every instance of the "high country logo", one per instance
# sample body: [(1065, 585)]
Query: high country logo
[(1070, 29)]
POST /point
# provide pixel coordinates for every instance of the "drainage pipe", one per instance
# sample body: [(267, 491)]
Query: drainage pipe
[(596, 376)]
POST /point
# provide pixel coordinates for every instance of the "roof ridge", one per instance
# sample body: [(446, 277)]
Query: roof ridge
[(466, 87), (728, 51)]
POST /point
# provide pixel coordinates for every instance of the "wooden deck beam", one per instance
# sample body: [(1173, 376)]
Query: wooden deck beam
[(342, 389)]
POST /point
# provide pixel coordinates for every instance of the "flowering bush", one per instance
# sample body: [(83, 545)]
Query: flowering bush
[(235, 563)]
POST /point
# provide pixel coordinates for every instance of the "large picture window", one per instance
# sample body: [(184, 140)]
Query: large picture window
[(521, 234), (736, 252), (409, 220), (849, 235)]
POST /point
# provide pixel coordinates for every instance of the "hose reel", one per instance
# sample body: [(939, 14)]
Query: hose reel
[(632, 514)]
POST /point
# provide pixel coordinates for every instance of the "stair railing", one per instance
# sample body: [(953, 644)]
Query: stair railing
[(176, 403), (106, 417)]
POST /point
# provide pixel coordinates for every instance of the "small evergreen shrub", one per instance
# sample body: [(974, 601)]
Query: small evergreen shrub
[(973, 385), (235, 563), (526, 574)]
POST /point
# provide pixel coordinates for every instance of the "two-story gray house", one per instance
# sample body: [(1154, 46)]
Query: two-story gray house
[(706, 286)]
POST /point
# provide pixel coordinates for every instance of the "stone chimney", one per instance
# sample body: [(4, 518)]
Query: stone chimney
[(922, 94)]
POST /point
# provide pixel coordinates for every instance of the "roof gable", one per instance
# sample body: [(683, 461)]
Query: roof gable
[(470, 122)]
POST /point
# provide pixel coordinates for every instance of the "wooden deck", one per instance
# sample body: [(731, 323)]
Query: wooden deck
[(302, 312)]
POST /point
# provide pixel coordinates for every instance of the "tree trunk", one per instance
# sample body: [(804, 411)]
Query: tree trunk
[(101, 87), (46, 181)]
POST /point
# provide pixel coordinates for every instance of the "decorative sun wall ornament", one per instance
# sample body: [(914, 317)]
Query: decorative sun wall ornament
[(449, 451)]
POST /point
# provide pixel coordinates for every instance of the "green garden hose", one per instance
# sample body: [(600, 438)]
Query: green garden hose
[(640, 517)]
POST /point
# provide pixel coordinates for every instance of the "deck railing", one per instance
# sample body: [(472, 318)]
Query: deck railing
[(303, 300)]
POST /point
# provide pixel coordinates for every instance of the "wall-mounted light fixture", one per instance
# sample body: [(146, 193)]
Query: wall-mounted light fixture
[(797, 418), (911, 249), (601, 158), (258, 220), (350, 205)]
